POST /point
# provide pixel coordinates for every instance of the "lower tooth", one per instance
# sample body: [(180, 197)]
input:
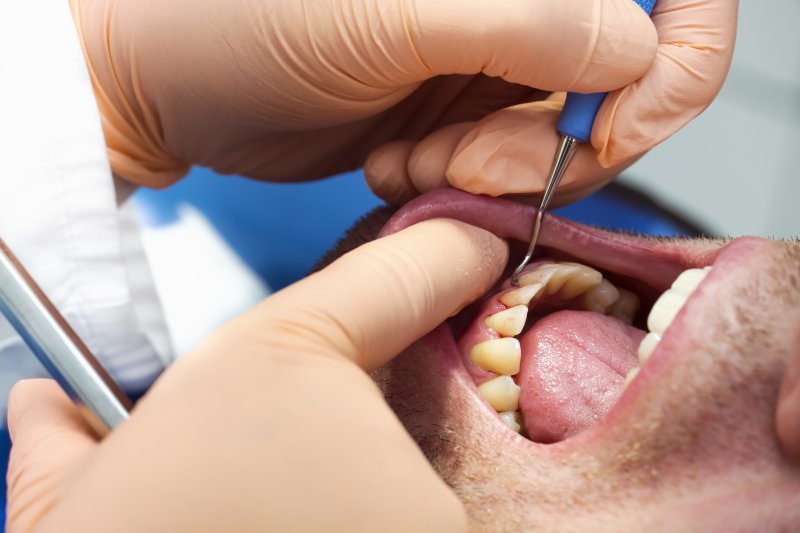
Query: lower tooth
[(501, 393), (501, 356), (648, 344), (513, 419), (631, 375), (600, 298)]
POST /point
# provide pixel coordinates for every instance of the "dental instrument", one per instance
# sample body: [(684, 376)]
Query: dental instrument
[(574, 126), (58, 347)]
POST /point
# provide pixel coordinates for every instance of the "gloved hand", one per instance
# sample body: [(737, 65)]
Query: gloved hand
[(290, 91), (271, 424)]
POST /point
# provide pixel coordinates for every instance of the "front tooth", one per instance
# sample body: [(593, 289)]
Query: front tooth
[(688, 281), (513, 419), (521, 296), (626, 307), (501, 356), (631, 375), (510, 322), (648, 344), (664, 311), (601, 297), (580, 280), (501, 393)]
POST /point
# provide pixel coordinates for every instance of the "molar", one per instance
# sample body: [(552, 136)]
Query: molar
[(601, 297), (626, 306)]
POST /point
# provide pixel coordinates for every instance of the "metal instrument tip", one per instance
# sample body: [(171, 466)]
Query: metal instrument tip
[(566, 150)]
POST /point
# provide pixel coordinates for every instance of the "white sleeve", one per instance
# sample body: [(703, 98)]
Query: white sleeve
[(58, 210)]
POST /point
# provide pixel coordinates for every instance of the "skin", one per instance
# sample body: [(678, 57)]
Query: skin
[(691, 445)]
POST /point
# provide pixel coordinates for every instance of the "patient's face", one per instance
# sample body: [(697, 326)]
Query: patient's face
[(688, 444)]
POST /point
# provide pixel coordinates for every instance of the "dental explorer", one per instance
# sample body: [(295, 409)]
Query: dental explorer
[(574, 126), (58, 347)]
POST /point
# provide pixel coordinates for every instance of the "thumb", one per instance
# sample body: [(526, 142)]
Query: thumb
[(373, 302), (49, 437), (584, 46)]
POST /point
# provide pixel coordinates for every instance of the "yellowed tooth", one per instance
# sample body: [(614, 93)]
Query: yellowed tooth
[(601, 297), (626, 307), (646, 347), (513, 419), (501, 393), (560, 276), (521, 296), (498, 355), (631, 375), (541, 274), (579, 281), (509, 322)]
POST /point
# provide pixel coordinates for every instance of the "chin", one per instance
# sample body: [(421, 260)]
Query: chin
[(628, 382)]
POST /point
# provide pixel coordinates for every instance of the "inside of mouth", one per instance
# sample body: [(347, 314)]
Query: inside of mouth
[(553, 355)]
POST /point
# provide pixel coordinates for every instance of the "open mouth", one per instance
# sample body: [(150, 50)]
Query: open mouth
[(553, 357)]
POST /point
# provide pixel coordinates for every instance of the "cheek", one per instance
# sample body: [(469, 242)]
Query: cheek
[(788, 413)]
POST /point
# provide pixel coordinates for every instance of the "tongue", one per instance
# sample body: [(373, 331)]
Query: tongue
[(572, 372)]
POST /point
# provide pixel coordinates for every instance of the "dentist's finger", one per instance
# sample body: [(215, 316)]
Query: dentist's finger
[(696, 40), (49, 436), (376, 300)]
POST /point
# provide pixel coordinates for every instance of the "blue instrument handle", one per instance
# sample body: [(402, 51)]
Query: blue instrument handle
[(580, 109)]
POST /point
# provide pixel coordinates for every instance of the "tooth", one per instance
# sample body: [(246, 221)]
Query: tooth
[(501, 393), (542, 274), (521, 296), (601, 297), (631, 375), (688, 281), (648, 344), (663, 312), (559, 277), (498, 355), (512, 419), (510, 322), (578, 281), (626, 307)]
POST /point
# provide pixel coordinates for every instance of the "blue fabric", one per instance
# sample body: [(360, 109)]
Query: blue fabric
[(5, 446)]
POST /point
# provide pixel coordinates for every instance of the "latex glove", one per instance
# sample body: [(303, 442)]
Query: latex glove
[(272, 424), (788, 415), (284, 91)]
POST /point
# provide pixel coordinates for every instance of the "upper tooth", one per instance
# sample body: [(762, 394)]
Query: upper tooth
[(521, 296), (579, 280), (600, 298), (498, 355), (626, 307), (509, 322), (669, 303), (648, 344), (688, 281), (665, 310), (501, 393)]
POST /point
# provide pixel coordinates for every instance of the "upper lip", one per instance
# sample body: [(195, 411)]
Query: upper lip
[(614, 252)]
